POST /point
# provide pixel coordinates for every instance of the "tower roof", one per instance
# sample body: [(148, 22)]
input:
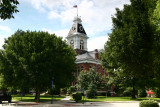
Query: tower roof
[(77, 28)]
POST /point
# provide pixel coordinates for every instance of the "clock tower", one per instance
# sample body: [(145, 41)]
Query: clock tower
[(77, 36)]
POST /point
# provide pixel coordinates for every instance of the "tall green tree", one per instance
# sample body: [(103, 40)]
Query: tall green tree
[(85, 78), (7, 8), (128, 52), (156, 46), (156, 49), (34, 59)]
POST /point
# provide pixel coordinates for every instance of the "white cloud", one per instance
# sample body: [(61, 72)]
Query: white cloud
[(60, 33), (5, 28), (1, 41), (97, 43), (53, 15), (96, 16)]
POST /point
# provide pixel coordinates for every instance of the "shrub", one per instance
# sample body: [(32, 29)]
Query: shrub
[(156, 92), (77, 97), (127, 92), (71, 89), (64, 89), (148, 103), (142, 93), (91, 92), (109, 94)]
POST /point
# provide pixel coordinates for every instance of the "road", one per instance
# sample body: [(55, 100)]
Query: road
[(88, 104)]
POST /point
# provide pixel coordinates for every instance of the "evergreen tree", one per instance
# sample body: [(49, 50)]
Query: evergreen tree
[(91, 92)]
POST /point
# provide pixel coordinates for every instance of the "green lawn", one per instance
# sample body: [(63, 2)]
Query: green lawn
[(104, 98), (30, 98)]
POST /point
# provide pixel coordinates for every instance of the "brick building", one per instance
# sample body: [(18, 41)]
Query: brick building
[(85, 60)]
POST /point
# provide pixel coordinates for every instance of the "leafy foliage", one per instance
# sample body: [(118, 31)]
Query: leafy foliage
[(156, 46), (127, 92), (156, 92), (142, 93), (129, 51), (87, 77), (77, 97), (91, 92), (7, 8), (71, 90), (148, 103), (32, 59)]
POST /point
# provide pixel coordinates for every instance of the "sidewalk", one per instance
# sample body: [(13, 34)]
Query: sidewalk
[(67, 102)]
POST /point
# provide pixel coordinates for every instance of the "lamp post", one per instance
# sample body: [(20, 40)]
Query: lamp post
[(52, 91)]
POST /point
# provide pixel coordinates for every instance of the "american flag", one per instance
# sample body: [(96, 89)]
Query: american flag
[(75, 6)]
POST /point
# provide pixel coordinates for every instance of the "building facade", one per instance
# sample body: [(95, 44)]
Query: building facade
[(85, 59)]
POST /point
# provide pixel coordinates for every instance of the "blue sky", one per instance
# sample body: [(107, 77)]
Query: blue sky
[(56, 16)]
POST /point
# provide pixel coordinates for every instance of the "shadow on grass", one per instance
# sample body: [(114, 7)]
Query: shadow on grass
[(31, 98)]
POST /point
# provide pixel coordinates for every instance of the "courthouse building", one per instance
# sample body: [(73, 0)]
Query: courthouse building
[(77, 38)]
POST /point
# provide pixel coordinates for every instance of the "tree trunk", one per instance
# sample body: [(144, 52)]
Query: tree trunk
[(36, 94), (134, 93), (37, 97), (134, 90)]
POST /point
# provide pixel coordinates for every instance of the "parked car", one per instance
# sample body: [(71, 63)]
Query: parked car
[(5, 96)]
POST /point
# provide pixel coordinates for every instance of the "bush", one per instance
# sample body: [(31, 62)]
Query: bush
[(91, 92), (127, 92), (109, 94), (148, 103), (142, 93), (71, 89), (156, 92), (77, 97), (54, 91)]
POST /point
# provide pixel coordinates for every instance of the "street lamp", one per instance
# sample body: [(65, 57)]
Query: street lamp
[(52, 91)]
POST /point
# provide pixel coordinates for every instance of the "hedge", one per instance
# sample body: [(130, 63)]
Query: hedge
[(148, 103)]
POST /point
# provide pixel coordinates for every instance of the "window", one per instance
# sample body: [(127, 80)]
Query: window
[(81, 44), (90, 66), (78, 71), (81, 68), (99, 68), (72, 43)]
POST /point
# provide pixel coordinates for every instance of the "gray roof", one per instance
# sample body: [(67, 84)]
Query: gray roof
[(77, 28), (87, 57), (84, 56)]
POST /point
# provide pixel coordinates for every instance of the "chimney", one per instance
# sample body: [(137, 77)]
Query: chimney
[(96, 55)]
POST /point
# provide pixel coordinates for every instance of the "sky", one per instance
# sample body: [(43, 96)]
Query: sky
[(56, 16)]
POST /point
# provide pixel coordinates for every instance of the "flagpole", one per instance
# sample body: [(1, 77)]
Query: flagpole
[(77, 11), (76, 6)]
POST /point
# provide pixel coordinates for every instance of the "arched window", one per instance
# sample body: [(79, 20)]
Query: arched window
[(99, 68), (72, 43), (78, 71), (81, 68), (81, 44)]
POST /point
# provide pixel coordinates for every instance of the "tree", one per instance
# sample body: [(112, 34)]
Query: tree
[(35, 59), (86, 77), (156, 49), (91, 92), (7, 8), (128, 52)]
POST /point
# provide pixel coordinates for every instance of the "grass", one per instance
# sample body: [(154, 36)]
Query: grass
[(30, 98), (45, 98), (104, 98)]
